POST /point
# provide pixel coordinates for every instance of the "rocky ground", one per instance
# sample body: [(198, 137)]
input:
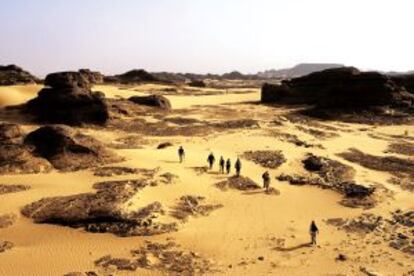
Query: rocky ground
[(113, 199)]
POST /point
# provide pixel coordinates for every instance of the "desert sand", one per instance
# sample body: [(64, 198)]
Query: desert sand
[(253, 233)]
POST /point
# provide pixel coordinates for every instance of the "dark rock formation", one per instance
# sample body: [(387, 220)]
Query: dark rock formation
[(335, 176), (197, 83), (328, 169), (406, 80), (163, 259), (16, 157), (6, 189), (7, 220), (102, 211), (238, 182), (339, 88), (63, 80), (191, 205), (266, 158), (6, 245), (299, 70), (10, 133), (68, 100), (67, 149), (136, 76), (152, 100), (93, 77), (13, 75), (164, 145)]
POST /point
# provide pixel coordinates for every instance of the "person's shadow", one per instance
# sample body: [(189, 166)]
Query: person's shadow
[(255, 192), (292, 248), (170, 161)]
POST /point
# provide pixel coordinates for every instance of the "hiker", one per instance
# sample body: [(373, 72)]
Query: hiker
[(228, 166), (237, 166), (211, 159), (181, 154), (266, 181), (313, 231), (222, 163)]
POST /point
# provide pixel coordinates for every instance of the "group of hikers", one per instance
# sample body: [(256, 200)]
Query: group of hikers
[(225, 167)]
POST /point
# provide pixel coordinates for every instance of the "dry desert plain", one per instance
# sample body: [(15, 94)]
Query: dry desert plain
[(220, 230)]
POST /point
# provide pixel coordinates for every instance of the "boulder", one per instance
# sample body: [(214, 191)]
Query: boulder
[(67, 149), (68, 100), (152, 100), (313, 163), (14, 75), (345, 87), (63, 80)]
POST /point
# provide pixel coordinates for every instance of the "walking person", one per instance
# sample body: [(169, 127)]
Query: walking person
[(313, 231), (211, 159), (237, 166), (266, 181), (181, 154), (228, 166), (222, 163)]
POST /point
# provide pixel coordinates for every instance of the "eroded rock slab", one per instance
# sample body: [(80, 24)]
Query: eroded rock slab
[(166, 258), (7, 220), (5, 245), (191, 205), (239, 183), (397, 230), (103, 211), (5, 189), (402, 169), (333, 175), (266, 158)]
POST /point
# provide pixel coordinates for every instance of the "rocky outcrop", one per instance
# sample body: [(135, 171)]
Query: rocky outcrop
[(239, 183), (67, 149), (266, 158), (16, 157), (190, 205), (298, 70), (102, 211), (48, 147), (197, 83), (152, 100), (14, 75), (159, 258), (93, 77), (333, 175), (339, 88), (67, 99), (10, 133), (6, 189), (135, 76), (406, 80)]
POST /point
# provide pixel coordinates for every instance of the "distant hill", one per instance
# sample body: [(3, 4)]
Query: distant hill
[(298, 70), (13, 75)]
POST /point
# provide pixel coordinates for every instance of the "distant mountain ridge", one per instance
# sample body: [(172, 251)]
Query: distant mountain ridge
[(299, 70)]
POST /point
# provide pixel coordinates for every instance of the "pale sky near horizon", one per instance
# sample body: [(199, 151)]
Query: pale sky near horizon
[(202, 36)]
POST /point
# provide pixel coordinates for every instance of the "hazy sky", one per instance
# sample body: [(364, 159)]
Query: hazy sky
[(205, 35)]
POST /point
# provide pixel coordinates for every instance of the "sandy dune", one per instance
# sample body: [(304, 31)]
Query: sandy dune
[(253, 234)]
